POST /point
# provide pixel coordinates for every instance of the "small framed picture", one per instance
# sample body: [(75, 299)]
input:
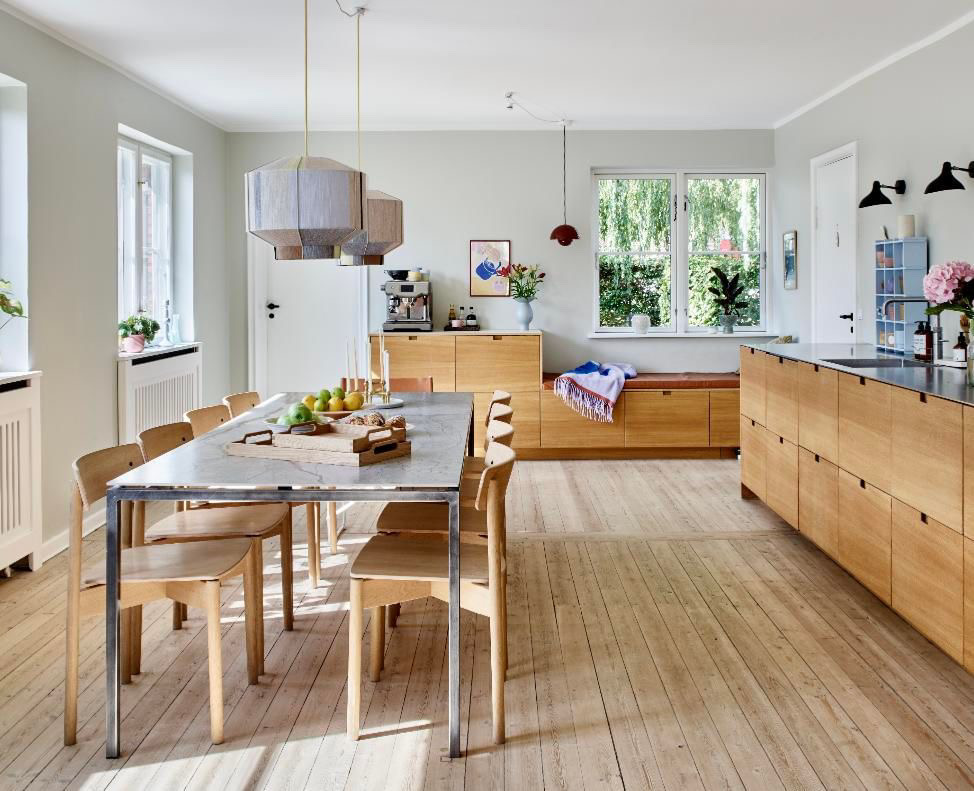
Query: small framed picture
[(487, 259), (789, 258)]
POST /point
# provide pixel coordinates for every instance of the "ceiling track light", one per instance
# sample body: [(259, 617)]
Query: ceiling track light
[(384, 233), (564, 234), (306, 207), (876, 197), (947, 180)]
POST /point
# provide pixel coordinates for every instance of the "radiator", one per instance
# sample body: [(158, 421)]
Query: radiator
[(20, 472), (157, 389)]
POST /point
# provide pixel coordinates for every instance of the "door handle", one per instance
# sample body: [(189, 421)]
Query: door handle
[(272, 306), (845, 316)]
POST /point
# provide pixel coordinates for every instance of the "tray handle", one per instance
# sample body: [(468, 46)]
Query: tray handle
[(252, 434)]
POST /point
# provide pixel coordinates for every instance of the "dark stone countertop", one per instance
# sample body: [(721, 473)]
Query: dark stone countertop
[(940, 381)]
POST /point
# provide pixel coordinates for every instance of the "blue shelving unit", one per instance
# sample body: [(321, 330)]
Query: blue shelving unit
[(900, 267)]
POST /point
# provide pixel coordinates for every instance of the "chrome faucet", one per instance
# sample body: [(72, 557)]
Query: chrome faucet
[(938, 343)]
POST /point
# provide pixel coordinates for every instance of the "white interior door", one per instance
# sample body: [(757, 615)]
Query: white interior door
[(303, 315), (833, 276)]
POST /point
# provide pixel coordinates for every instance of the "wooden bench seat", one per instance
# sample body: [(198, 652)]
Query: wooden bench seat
[(672, 381)]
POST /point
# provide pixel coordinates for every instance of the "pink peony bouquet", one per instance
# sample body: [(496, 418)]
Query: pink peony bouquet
[(950, 286)]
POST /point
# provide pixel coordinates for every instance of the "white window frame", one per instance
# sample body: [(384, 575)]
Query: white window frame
[(679, 249), (141, 149)]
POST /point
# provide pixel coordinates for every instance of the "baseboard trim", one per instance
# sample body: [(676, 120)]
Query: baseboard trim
[(57, 544), (580, 454)]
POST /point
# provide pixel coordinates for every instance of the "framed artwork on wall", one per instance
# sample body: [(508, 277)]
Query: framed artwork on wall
[(789, 257), (487, 259)]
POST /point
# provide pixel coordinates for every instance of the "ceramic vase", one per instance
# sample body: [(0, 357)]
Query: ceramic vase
[(524, 313), (640, 324), (727, 324)]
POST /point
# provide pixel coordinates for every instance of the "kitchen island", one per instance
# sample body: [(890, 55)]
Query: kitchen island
[(868, 460)]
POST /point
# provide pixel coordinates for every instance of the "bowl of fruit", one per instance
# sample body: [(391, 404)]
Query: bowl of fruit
[(297, 415), (335, 403)]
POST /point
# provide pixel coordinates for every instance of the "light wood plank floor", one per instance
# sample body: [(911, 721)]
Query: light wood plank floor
[(664, 634)]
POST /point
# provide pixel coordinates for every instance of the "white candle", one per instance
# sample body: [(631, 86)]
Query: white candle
[(351, 384), (385, 365), (348, 365), (368, 367), (382, 360)]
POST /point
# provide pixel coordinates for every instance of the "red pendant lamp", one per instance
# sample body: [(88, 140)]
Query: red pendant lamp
[(564, 234)]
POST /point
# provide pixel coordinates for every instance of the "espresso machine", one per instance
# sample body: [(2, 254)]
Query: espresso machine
[(409, 304)]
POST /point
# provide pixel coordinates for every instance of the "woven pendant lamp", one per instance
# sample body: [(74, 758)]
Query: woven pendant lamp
[(306, 207)]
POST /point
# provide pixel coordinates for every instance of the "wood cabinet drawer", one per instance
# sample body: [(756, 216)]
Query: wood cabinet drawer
[(754, 455), (818, 410), (818, 501), (928, 456), (419, 355), (865, 429), (668, 419), (562, 427), (526, 421), (725, 418), (498, 362), (753, 384), (781, 462), (969, 604), (928, 577), (781, 400), (865, 533), (969, 480)]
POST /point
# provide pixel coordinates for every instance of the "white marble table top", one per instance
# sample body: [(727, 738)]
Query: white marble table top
[(439, 443)]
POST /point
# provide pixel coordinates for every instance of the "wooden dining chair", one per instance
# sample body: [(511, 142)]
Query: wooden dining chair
[(257, 522), (391, 570), (498, 397), (238, 403), (149, 573), (207, 418)]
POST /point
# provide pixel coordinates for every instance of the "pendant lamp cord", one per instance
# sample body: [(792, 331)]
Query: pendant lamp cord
[(358, 86), (306, 78), (564, 171)]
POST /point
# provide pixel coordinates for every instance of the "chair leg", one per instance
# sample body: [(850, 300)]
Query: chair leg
[(287, 573), (250, 615), (354, 690), (496, 675), (212, 595), (377, 643), (314, 562), (392, 615), (137, 640), (71, 657), (257, 547), (333, 527)]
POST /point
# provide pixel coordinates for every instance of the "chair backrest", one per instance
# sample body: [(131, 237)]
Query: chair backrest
[(499, 464), (411, 384), (500, 432), (162, 439), (93, 471), (207, 418), (499, 397), (501, 412), (238, 403)]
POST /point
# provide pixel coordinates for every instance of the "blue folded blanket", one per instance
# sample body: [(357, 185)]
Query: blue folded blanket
[(593, 388)]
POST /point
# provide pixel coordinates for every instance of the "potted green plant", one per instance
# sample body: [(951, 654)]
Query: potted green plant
[(136, 331), (525, 282), (9, 306), (727, 291)]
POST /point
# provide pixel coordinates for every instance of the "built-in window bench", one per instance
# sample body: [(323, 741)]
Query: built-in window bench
[(658, 415)]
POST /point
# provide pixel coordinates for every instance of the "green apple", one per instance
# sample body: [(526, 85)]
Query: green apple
[(324, 395), (321, 405), (300, 413), (338, 393)]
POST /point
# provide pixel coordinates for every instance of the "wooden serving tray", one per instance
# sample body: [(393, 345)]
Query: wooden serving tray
[(341, 437), (390, 446)]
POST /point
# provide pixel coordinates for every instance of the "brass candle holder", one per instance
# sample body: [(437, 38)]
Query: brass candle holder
[(377, 388)]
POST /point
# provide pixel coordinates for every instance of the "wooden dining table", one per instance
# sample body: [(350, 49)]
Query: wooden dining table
[(441, 437)]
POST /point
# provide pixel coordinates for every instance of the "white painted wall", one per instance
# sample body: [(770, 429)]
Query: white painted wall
[(908, 119), (458, 186), (75, 105), (13, 217)]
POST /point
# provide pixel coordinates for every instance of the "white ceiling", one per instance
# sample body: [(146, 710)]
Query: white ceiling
[(445, 64)]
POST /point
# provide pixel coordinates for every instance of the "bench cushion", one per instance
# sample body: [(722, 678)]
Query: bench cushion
[(674, 381)]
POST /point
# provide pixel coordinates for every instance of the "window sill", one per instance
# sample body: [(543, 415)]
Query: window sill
[(614, 336), (152, 351)]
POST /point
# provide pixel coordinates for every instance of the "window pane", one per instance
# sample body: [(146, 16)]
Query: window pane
[(724, 214), (128, 283), (634, 215), (703, 310), (634, 284), (156, 236)]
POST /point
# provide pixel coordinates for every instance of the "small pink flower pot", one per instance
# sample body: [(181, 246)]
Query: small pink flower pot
[(133, 344)]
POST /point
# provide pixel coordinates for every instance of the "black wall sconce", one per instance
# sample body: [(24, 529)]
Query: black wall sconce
[(876, 196), (947, 180)]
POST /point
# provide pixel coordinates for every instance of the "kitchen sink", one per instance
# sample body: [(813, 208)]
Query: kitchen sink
[(877, 362)]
